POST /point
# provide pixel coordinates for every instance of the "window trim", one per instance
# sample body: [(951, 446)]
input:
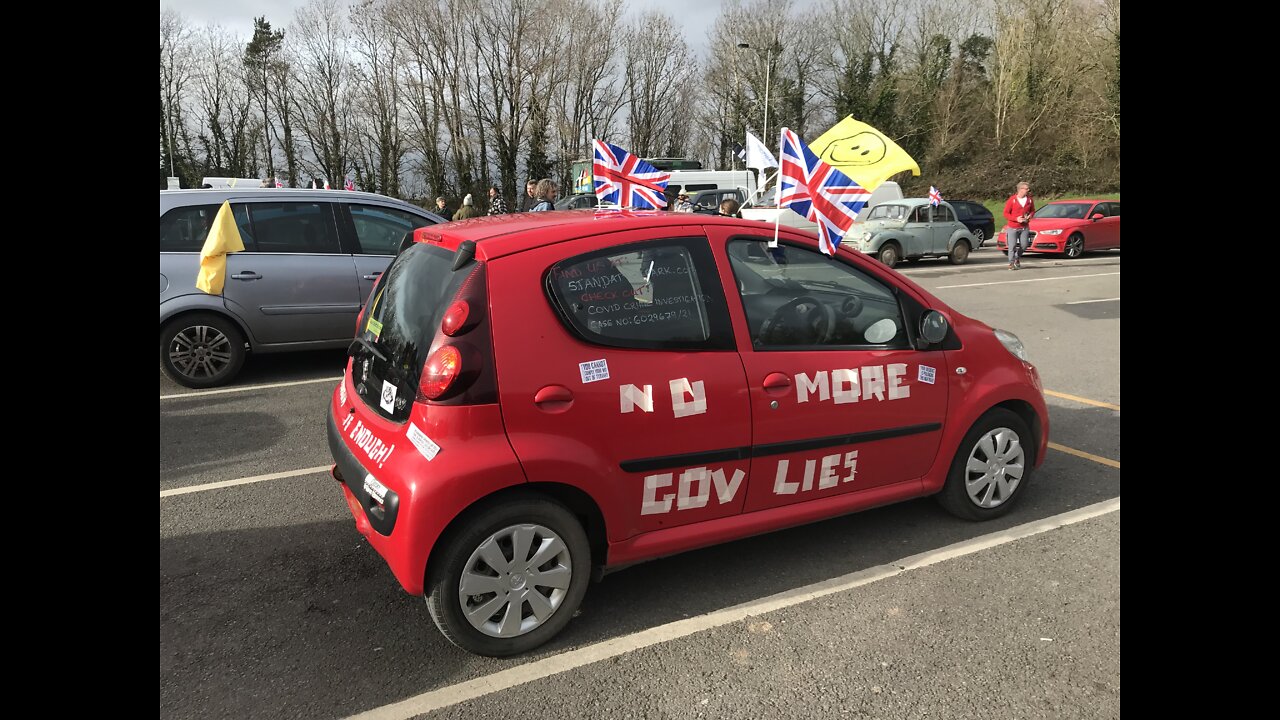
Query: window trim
[(721, 335)]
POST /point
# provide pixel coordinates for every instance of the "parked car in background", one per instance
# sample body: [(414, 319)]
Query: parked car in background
[(577, 202), (540, 398), (310, 259), (976, 217), (912, 229), (1073, 227)]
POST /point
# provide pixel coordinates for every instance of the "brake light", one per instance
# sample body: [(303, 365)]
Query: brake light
[(455, 317), (442, 368)]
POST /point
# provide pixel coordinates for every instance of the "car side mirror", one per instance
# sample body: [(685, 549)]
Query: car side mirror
[(933, 327), (1096, 217)]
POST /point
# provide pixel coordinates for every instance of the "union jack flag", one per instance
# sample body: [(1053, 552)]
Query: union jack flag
[(279, 184), (818, 192), (935, 197), (625, 180), (350, 185)]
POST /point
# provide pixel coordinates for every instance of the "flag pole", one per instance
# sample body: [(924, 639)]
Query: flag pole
[(777, 193)]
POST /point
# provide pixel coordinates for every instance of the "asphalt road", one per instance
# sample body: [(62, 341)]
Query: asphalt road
[(272, 605)]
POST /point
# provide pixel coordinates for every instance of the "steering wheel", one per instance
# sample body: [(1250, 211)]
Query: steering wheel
[(802, 321)]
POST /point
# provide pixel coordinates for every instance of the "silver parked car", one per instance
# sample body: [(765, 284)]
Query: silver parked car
[(911, 229), (310, 259)]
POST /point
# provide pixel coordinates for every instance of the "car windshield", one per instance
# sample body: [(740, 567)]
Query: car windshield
[(888, 212), (1068, 211)]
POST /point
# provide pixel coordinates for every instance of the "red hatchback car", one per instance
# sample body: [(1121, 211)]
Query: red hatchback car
[(1071, 227), (536, 398)]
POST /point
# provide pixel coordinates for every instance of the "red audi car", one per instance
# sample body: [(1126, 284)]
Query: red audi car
[(1072, 227), (534, 399)]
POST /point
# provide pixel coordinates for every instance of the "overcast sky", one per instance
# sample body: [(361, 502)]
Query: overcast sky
[(696, 16)]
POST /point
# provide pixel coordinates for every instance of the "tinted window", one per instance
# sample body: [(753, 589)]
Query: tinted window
[(294, 227), (662, 294), (380, 229), (798, 298), (184, 229), (963, 211), (401, 321)]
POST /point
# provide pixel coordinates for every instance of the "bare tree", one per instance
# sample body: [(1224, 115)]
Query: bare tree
[(320, 52), (658, 64), (381, 142), (176, 69), (224, 105)]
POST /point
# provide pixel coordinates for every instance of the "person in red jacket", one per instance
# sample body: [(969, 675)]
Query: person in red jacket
[(1017, 211)]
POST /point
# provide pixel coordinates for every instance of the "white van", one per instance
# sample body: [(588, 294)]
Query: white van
[(761, 209), (694, 181), (231, 183)]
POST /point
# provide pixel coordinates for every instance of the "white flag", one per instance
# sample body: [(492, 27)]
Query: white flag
[(758, 156)]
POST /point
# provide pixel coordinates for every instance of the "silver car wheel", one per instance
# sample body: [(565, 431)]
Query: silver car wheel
[(995, 468), (200, 351), (515, 580), (1075, 246)]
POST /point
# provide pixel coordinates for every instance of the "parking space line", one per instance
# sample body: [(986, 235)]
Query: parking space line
[(557, 664), (1014, 282), (1086, 302), (243, 481), (1087, 456), (937, 270), (1086, 401), (248, 388)]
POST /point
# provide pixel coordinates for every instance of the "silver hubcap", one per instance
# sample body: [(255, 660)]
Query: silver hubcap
[(995, 468), (1075, 246), (979, 235), (890, 256), (200, 351), (515, 580)]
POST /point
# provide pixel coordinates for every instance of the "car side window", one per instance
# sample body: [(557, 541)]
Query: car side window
[(296, 227), (796, 298), (380, 229), (656, 295), (942, 213), (1111, 209), (920, 214), (963, 211), (184, 229)]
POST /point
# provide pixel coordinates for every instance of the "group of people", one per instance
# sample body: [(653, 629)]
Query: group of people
[(541, 195)]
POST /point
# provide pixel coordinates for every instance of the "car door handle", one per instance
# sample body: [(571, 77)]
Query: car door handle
[(246, 275), (776, 383), (554, 399), (373, 276)]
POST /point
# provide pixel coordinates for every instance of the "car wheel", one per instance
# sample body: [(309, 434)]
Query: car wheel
[(889, 254), (201, 350), (511, 578), (959, 253), (992, 466), (1075, 246), (980, 236)]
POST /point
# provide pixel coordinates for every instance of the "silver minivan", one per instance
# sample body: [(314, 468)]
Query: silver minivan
[(310, 259)]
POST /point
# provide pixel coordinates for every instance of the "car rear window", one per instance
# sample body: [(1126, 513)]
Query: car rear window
[(400, 322)]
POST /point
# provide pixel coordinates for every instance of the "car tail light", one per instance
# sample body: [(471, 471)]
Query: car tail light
[(442, 368), (455, 317)]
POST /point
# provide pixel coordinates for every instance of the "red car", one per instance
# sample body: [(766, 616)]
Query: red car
[(1071, 227), (532, 399)]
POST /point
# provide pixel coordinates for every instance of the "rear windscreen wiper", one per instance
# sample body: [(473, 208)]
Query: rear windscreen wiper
[(361, 342)]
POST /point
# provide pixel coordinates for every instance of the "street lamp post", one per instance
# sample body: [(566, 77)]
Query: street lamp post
[(768, 67)]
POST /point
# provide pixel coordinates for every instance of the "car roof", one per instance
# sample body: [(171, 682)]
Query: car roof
[(176, 198), (499, 235), (1078, 200), (910, 202)]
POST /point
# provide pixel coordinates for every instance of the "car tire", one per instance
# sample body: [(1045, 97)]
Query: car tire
[(889, 254), (201, 350), (991, 468), (959, 252), (491, 533), (1075, 246)]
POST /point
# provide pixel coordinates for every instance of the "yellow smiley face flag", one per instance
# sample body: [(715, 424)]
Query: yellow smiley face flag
[(863, 153), (224, 237)]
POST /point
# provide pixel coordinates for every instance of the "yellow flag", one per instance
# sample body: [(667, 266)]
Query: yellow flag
[(863, 153), (224, 237)]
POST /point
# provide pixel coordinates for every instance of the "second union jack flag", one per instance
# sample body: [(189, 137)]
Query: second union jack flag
[(817, 191)]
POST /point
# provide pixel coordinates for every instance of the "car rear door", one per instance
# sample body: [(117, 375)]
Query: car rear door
[(293, 283), (618, 374)]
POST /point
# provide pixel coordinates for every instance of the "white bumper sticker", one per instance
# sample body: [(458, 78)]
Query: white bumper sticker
[(375, 489), (425, 445)]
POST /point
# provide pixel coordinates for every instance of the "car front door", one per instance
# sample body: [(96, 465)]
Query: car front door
[(840, 400), (619, 374), (376, 232), (1110, 225), (919, 232), (293, 283)]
